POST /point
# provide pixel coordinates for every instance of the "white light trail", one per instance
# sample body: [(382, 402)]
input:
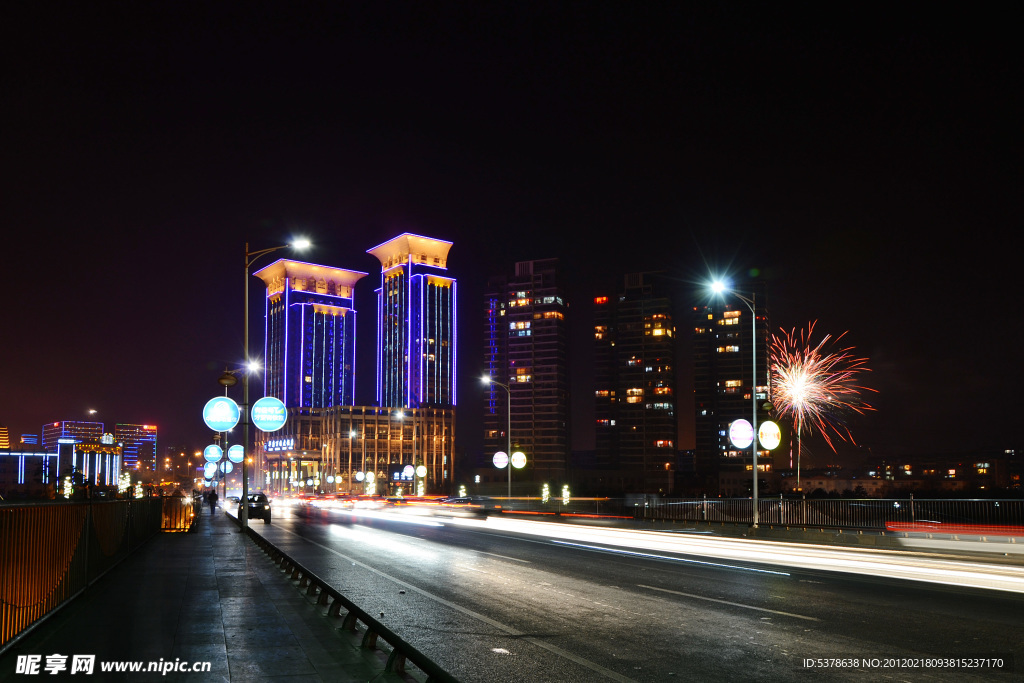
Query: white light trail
[(893, 564), (871, 562)]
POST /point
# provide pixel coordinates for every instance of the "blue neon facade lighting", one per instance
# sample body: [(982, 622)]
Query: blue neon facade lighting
[(70, 429), (138, 443), (310, 333), (416, 323)]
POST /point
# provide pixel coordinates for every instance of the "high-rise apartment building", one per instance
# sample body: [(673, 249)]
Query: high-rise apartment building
[(138, 446), (81, 432), (5, 437), (526, 342), (723, 382), (310, 338), (635, 378), (415, 323)]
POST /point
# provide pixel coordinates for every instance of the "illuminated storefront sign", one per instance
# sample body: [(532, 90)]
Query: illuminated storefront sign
[(277, 445), (400, 473)]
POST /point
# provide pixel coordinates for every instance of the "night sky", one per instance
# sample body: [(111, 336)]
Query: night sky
[(863, 160)]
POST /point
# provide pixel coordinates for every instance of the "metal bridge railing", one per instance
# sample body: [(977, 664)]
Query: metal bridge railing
[(965, 517), (51, 551), (1004, 517)]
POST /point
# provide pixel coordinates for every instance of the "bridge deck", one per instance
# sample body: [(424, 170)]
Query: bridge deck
[(206, 596)]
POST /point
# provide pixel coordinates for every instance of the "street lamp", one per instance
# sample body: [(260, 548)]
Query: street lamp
[(486, 379), (250, 257), (719, 287)]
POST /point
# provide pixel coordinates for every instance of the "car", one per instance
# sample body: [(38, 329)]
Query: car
[(259, 507)]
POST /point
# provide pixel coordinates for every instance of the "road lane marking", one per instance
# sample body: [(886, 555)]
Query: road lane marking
[(726, 602), (504, 557), (593, 666)]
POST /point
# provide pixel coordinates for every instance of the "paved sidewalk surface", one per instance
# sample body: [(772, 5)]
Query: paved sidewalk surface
[(210, 595)]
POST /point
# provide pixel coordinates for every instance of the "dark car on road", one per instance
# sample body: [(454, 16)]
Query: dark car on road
[(259, 507)]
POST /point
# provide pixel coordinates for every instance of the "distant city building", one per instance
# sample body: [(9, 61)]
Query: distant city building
[(138, 444), (416, 324), (81, 432), (37, 473), (30, 439), (100, 463), (723, 375), (5, 437), (637, 431), (26, 473), (362, 450), (310, 339), (526, 340)]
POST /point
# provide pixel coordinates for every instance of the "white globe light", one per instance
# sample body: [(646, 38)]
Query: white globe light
[(769, 434), (741, 433), (500, 459)]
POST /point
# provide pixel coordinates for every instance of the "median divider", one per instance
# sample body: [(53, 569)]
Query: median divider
[(353, 618)]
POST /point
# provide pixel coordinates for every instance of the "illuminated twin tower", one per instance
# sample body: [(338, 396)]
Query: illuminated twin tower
[(406, 441), (311, 328)]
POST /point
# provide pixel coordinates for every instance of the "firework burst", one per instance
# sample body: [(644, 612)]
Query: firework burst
[(815, 386)]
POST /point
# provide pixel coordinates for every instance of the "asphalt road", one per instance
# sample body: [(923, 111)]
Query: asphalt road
[(495, 605)]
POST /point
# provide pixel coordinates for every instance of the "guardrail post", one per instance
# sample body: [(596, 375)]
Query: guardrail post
[(396, 662), (369, 639), (350, 622)]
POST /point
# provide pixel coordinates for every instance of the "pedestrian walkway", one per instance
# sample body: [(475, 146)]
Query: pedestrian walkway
[(208, 596)]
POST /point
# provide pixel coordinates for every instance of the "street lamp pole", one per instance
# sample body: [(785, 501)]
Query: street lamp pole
[(250, 257), (486, 379), (750, 303)]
